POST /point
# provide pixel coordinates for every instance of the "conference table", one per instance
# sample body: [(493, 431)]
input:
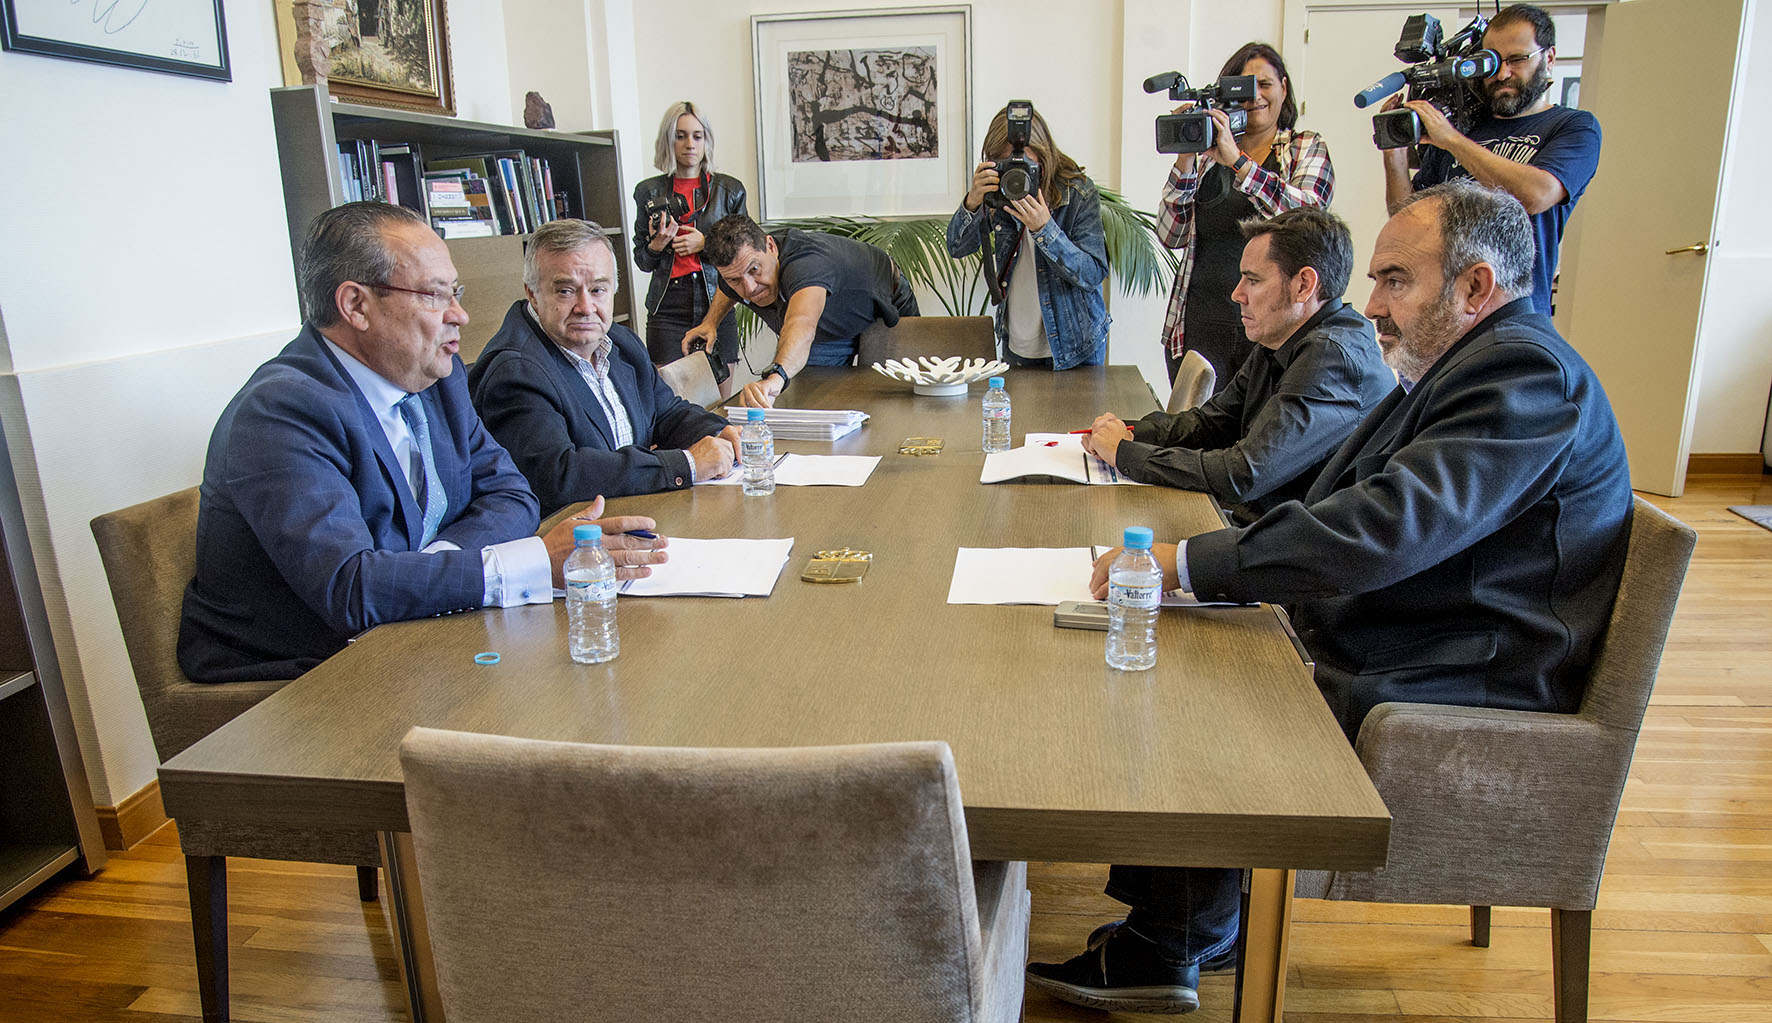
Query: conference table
[(1223, 755)]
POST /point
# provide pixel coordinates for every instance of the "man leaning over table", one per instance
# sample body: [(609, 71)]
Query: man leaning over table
[(817, 291), (349, 482), (1462, 547), (574, 397), (1313, 373)]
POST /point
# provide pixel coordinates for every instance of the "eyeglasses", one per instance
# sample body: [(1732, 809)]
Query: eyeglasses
[(1519, 61), (435, 300)]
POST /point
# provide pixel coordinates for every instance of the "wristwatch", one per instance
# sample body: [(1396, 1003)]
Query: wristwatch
[(775, 367)]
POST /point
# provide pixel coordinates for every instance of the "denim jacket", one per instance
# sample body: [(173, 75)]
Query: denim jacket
[(725, 196), (1071, 265)]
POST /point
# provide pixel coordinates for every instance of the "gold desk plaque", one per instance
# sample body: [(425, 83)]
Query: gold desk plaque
[(921, 446), (839, 566)]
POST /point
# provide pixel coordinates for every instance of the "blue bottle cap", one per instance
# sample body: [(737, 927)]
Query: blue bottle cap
[(996, 381), (754, 416), (583, 534), (1138, 538)]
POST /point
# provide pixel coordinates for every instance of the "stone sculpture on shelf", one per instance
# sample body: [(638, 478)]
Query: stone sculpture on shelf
[(536, 112)]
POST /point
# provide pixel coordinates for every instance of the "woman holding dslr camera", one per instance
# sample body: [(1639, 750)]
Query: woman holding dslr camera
[(1271, 168), (674, 211), (1047, 254)]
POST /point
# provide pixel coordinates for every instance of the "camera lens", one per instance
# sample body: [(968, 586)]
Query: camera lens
[(1015, 183)]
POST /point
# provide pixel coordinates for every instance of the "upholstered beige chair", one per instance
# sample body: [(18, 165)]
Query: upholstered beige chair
[(565, 881), (970, 337), (1507, 808), (1193, 382), (149, 552)]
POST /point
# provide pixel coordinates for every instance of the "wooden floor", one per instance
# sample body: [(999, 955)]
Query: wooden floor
[(1683, 933)]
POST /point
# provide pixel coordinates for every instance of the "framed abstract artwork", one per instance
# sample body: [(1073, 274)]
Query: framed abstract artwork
[(389, 53), (181, 37), (863, 112)]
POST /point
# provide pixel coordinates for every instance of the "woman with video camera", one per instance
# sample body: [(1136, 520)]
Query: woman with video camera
[(1271, 168), (1049, 305), (674, 211)]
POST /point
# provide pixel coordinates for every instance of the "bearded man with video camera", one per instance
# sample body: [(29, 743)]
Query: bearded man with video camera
[(1540, 153)]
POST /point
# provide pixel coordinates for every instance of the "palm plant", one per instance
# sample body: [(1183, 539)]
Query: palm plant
[(1137, 263)]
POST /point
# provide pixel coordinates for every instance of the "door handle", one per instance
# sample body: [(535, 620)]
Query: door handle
[(1701, 248)]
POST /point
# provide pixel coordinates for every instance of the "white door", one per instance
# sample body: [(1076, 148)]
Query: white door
[(1634, 298), (1343, 51)]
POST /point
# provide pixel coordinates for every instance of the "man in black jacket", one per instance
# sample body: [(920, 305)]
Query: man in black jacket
[(1463, 547), (574, 398), (1314, 373)]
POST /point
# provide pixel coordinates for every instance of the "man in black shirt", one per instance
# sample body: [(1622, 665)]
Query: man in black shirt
[(1315, 372), (818, 292)]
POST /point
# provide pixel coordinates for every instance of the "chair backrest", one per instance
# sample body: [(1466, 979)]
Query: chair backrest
[(1624, 668), (697, 884), (1193, 382), (692, 379), (969, 337), (149, 551)]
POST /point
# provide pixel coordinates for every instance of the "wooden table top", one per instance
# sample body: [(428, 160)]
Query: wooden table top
[(1224, 754)]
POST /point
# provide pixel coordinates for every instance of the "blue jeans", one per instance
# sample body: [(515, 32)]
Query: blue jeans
[(832, 353), (1190, 912)]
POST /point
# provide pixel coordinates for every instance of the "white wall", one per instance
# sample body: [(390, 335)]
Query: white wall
[(1735, 360)]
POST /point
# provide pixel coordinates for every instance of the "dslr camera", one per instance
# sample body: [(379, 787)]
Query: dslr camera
[(1447, 73), (665, 203), (1019, 176), (1193, 131)]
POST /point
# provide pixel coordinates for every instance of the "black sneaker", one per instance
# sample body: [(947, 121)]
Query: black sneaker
[(1223, 962), (1125, 972)]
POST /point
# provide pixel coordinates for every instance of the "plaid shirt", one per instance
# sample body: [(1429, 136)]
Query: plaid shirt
[(1305, 179)]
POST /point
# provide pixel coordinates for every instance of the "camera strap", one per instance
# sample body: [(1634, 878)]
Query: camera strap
[(997, 282)]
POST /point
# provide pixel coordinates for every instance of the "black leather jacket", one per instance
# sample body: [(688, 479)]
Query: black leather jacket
[(725, 196)]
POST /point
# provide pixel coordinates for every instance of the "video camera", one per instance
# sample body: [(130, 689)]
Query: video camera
[(664, 203), (1448, 74), (1019, 176), (1192, 131)]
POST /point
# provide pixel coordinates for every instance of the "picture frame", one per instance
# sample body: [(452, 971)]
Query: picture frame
[(184, 37), (394, 53), (863, 112)]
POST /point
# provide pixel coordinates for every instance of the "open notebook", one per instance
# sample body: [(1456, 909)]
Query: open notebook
[(1058, 455)]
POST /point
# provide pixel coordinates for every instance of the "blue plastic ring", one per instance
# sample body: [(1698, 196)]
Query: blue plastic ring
[(486, 658)]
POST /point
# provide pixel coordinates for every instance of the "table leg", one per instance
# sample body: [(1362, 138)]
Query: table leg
[(412, 940), (206, 877), (1261, 971)]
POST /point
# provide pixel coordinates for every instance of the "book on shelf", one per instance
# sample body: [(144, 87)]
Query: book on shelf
[(450, 227), (400, 174)]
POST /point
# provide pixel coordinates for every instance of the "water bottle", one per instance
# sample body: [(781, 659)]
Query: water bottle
[(590, 599), (1135, 589), (996, 417), (756, 449)]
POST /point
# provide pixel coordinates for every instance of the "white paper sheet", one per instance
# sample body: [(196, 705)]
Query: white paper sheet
[(796, 470), (804, 423), (714, 568), (1051, 454), (1020, 575)]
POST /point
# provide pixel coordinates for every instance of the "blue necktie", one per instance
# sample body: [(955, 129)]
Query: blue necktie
[(432, 498)]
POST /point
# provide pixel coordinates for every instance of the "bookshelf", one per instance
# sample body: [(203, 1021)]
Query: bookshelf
[(586, 167), (47, 819)]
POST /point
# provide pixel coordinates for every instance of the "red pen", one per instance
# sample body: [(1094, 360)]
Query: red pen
[(1082, 431)]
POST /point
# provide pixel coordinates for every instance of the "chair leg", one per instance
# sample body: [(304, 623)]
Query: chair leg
[(207, 879), (1480, 926), (1571, 943), (368, 884)]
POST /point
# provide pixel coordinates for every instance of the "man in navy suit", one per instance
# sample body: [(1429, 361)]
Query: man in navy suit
[(575, 398), (1462, 547), (350, 483)]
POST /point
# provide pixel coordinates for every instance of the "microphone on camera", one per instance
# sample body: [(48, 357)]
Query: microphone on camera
[(1380, 89)]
